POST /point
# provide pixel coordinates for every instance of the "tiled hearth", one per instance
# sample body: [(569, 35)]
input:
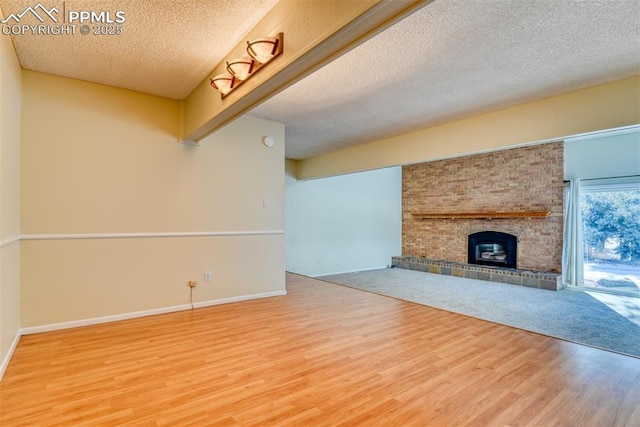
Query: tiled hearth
[(533, 279)]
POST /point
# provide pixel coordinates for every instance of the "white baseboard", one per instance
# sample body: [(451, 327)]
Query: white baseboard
[(238, 299), (7, 357), (163, 310), (350, 271)]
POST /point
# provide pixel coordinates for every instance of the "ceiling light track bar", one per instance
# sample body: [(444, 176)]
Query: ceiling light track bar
[(239, 70)]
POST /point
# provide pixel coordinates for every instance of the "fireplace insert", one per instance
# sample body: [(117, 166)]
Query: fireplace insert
[(493, 248)]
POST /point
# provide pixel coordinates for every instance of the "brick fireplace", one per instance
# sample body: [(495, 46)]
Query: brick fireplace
[(515, 180)]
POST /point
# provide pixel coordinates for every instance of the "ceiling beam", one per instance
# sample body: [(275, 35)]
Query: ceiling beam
[(315, 33)]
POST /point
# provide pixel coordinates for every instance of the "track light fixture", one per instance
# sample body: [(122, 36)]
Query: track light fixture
[(223, 83), (261, 52), (241, 68)]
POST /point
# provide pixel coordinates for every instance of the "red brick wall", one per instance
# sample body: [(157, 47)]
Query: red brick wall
[(519, 179)]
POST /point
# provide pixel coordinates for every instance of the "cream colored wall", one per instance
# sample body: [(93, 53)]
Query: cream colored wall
[(9, 301), (600, 107), (73, 280), (10, 99), (103, 160)]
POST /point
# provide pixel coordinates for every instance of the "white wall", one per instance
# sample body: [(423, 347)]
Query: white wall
[(602, 157), (343, 223)]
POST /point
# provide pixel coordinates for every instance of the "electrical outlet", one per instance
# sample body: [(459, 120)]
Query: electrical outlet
[(207, 276), (192, 283)]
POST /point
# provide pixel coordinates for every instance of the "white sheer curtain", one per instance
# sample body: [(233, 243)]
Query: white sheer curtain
[(572, 248)]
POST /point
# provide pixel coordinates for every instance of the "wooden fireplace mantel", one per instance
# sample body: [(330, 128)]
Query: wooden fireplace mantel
[(482, 215)]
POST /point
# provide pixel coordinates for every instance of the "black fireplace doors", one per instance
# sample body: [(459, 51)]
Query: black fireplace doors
[(493, 248)]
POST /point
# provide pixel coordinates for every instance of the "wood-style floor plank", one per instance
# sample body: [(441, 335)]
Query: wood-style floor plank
[(322, 355)]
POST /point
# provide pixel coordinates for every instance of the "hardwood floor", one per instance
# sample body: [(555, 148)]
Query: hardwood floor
[(324, 355)]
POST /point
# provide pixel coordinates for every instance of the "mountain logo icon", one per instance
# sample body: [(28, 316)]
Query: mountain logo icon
[(38, 11)]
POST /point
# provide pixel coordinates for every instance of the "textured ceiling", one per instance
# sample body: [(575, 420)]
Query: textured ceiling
[(167, 47), (451, 59)]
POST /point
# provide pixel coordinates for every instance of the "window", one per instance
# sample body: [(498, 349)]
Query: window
[(611, 235)]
